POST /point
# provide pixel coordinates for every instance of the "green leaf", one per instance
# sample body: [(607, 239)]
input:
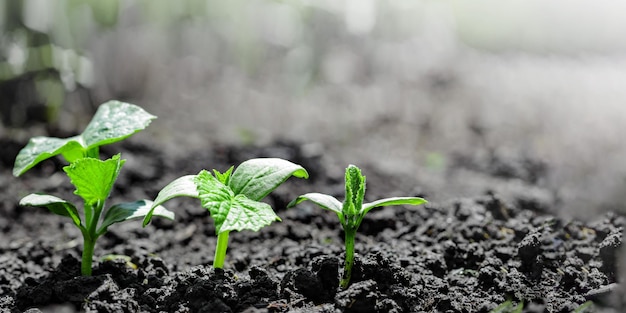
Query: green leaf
[(248, 214), (355, 192), (324, 201), (93, 178), (54, 204), (583, 307), (129, 210), (181, 187), (41, 148), (256, 178), (229, 211), (114, 121), (214, 196), (224, 178), (392, 201)]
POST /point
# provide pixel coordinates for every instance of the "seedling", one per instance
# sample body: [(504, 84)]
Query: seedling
[(233, 198), (352, 211), (93, 178)]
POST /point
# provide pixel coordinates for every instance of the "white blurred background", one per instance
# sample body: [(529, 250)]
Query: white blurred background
[(401, 85)]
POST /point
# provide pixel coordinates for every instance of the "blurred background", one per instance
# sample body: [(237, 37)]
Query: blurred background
[(413, 88)]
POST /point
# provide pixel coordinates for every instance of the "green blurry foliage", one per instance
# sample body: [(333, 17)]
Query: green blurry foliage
[(42, 55)]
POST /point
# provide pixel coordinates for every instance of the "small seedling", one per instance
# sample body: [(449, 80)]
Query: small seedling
[(93, 178), (233, 198), (352, 211)]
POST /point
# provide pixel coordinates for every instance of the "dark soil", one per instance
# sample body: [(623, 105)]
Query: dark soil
[(459, 255)]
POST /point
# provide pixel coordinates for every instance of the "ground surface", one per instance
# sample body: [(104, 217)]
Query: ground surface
[(458, 255)]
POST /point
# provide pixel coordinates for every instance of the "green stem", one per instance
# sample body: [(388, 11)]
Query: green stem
[(88, 246), (220, 249), (93, 153), (349, 262), (92, 216)]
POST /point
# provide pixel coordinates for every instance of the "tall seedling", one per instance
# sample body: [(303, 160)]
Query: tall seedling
[(92, 177)]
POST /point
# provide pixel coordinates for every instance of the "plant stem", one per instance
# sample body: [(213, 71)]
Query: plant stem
[(88, 246), (92, 216), (220, 249), (347, 268), (93, 153)]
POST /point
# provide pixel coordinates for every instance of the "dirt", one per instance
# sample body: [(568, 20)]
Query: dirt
[(456, 255)]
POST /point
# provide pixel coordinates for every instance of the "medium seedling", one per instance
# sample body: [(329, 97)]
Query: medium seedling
[(233, 198), (352, 211), (93, 178)]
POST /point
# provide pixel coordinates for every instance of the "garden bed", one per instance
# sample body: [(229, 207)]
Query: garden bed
[(458, 255)]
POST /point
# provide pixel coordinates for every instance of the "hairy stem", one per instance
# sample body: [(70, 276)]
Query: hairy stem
[(349, 262), (220, 249)]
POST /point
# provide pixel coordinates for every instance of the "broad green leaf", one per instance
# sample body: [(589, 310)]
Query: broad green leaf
[(93, 178), (114, 121), (41, 148), (129, 210), (256, 178), (214, 196), (247, 214), (230, 211), (54, 204), (355, 191), (181, 187), (324, 201), (392, 201)]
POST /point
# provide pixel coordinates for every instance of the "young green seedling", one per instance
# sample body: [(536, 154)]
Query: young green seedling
[(233, 198), (114, 121), (352, 211), (94, 180)]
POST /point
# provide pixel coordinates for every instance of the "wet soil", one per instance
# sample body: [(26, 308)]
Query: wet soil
[(455, 255)]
